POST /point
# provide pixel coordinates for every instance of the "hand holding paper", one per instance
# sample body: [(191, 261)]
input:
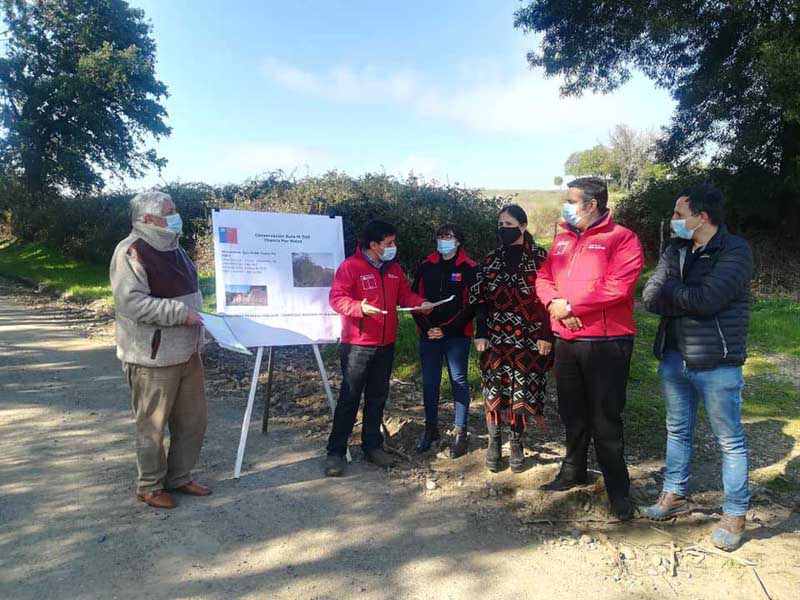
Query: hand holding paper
[(426, 306), (193, 318)]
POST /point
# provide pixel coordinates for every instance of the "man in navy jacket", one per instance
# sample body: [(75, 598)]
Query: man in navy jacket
[(701, 289)]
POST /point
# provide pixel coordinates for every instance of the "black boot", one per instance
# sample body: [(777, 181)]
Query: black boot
[(623, 508), (493, 452), (426, 441), (565, 480), (517, 460), (460, 444)]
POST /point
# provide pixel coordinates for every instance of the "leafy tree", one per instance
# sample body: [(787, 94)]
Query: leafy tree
[(558, 181), (78, 93), (632, 153), (730, 66), (596, 161)]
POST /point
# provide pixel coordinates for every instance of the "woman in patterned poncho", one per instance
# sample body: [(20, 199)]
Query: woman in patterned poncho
[(513, 338)]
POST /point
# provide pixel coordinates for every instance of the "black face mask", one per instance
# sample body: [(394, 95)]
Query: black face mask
[(508, 235)]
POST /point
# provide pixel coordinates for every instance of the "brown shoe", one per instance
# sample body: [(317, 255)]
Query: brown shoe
[(157, 499), (193, 489), (668, 506), (728, 534)]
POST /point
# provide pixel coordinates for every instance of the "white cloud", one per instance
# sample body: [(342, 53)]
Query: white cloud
[(345, 83), (290, 77), (487, 100)]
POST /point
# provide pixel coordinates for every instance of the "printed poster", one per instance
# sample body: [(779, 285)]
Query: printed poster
[(274, 273)]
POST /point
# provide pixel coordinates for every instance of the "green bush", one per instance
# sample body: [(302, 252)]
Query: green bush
[(89, 227), (650, 209), (415, 207), (646, 211)]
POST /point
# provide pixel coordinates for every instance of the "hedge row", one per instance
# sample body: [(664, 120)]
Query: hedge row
[(775, 250), (88, 228)]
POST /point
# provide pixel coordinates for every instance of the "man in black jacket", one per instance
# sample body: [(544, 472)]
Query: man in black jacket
[(701, 289)]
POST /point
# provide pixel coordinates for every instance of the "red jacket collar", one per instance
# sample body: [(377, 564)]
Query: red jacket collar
[(461, 257)]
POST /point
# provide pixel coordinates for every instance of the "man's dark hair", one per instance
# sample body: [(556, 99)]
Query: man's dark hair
[(376, 231), (705, 197), (454, 230), (516, 211), (592, 187)]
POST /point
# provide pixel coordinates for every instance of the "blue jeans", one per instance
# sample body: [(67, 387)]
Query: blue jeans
[(721, 391), (456, 352)]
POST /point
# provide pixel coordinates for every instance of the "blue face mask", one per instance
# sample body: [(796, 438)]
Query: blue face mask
[(680, 229), (445, 247), (570, 214), (175, 223), (389, 253)]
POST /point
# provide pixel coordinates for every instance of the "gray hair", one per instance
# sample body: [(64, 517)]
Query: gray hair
[(148, 203)]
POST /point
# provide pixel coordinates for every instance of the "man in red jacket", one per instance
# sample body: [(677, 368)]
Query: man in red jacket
[(366, 291), (587, 283)]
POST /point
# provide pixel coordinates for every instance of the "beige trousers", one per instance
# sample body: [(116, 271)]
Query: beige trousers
[(164, 397)]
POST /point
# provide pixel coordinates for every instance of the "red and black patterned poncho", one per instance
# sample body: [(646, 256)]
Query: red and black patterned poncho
[(513, 373)]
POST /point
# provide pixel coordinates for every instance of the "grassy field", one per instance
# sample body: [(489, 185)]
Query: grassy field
[(38, 262), (526, 198), (775, 326), (531, 198)]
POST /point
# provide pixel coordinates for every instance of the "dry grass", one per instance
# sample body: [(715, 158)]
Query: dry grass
[(543, 208)]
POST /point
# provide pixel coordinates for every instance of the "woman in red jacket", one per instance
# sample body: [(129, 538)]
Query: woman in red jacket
[(514, 337)]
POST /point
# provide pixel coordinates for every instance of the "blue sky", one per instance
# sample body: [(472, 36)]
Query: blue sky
[(438, 87)]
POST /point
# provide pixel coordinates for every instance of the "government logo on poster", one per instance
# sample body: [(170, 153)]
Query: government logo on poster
[(228, 235)]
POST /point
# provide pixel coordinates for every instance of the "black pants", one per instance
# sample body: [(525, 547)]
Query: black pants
[(591, 377), (365, 371)]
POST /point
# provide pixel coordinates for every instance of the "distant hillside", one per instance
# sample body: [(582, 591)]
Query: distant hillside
[(530, 199), (526, 198), (542, 206)]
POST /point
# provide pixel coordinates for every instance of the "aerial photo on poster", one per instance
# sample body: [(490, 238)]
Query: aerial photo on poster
[(312, 269)]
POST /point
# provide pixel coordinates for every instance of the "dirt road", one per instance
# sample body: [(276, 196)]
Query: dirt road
[(70, 526)]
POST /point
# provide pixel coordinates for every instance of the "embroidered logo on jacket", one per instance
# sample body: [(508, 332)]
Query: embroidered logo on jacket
[(455, 276), (390, 276), (561, 248), (596, 247), (368, 282)]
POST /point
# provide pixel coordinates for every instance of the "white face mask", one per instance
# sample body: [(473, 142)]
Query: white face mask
[(175, 223), (570, 213), (681, 230), (389, 253), (445, 247)]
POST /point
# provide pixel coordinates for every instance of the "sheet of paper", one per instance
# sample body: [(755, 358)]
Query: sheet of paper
[(219, 330), (435, 304)]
